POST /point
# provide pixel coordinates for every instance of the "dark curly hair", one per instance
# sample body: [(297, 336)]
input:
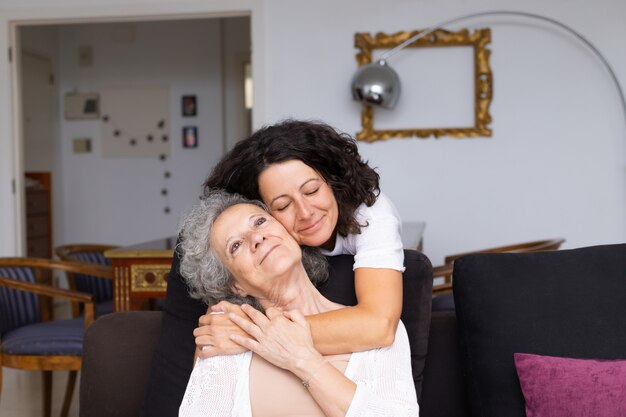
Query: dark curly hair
[(334, 155)]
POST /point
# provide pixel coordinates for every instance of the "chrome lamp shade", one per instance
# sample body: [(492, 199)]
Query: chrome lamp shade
[(376, 84)]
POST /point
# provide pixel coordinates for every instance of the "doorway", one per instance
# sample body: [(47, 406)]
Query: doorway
[(124, 199)]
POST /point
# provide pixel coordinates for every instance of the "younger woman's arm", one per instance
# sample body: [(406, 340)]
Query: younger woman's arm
[(371, 323)]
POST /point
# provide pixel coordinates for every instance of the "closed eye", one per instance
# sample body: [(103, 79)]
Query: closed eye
[(313, 191), (282, 208)]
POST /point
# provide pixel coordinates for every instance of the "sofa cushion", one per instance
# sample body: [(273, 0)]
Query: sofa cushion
[(569, 303), (566, 387), (443, 392)]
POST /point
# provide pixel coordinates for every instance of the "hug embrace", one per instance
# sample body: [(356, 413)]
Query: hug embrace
[(270, 343)]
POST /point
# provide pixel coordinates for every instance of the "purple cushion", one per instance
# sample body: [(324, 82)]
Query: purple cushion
[(555, 387)]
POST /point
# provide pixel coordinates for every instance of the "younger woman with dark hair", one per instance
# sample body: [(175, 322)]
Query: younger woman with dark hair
[(333, 155), (316, 184)]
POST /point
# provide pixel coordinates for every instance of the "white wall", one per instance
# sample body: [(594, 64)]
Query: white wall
[(555, 164), (119, 200)]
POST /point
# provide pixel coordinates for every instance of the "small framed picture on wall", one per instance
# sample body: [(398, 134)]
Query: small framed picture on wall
[(189, 106), (190, 137)]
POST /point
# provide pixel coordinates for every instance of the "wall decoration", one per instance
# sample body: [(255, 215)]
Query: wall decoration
[(189, 106), (166, 176), (83, 106), (81, 145), (482, 80), (134, 122), (190, 137)]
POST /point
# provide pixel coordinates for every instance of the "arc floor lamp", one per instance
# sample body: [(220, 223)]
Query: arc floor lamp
[(378, 84)]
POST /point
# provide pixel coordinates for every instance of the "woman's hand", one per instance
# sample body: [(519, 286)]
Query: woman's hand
[(214, 330), (283, 338)]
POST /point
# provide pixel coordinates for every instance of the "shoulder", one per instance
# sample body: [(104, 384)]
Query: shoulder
[(381, 220), (382, 206), (379, 245)]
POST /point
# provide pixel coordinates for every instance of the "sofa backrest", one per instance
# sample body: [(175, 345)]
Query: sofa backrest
[(117, 355)]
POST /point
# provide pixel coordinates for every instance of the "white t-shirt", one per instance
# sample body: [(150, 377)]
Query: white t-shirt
[(379, 245), (219, 386)]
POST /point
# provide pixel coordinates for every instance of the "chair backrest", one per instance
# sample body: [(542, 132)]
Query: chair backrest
[(534, 246), (101, 289), (445, 270), (18, 308)]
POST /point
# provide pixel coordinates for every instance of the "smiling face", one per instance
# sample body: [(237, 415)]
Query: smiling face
[(256, 250), (302, 201)]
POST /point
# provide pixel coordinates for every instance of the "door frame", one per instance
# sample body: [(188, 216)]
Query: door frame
[(13, 243)]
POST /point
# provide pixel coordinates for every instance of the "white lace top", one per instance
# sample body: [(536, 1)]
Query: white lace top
[(219, 386)]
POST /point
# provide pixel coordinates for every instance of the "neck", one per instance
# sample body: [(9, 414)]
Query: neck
[(299, 293)]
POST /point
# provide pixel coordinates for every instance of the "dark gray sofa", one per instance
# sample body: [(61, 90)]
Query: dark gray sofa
[(131, 356), (505, 303), (567, 303)]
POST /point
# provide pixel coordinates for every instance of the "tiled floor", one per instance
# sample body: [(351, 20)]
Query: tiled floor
[(21, 394)]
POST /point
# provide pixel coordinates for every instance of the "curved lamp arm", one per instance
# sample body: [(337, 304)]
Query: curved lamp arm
[(382, 71)]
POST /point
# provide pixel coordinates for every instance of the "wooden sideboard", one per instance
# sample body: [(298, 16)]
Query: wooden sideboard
[(38, 215), (140, 273)]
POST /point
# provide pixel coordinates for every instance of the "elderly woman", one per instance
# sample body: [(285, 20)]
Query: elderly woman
[(232, 249)]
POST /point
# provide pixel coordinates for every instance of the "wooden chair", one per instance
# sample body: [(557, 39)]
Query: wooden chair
[(445, 271), (101, 289), (29, 338)]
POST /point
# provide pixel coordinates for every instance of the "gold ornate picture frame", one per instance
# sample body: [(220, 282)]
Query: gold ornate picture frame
[(483, 88)]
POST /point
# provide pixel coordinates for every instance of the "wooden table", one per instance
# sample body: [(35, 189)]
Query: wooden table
[(140, 272)]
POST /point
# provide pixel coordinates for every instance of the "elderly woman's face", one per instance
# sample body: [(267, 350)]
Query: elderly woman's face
[(255, 248)]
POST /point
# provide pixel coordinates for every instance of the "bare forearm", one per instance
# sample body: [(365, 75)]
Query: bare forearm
[(329, 387), (371, 323), (351, 329)]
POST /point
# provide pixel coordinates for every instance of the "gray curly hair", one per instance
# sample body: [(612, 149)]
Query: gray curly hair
[(207, 278)]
